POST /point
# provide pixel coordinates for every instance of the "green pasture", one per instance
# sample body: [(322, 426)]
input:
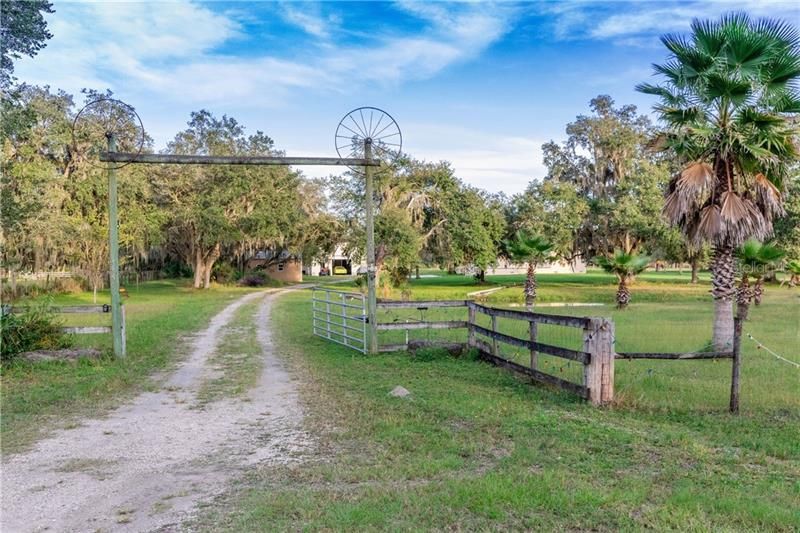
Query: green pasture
[(478, 448)]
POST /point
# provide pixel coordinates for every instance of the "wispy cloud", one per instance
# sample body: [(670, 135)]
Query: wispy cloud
[(623, 22), (310, 19), (171, 50)]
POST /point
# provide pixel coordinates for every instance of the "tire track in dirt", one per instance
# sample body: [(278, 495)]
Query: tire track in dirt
[(148, 464)]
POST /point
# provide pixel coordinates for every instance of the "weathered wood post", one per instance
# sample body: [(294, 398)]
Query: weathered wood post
[(113, 252), (534, 356), (123, 328), (470, 322), (737, 364), (495, 347), (372, 298), (598, 375)]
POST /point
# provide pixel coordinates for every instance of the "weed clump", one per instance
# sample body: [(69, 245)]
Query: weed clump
[(36, 328)]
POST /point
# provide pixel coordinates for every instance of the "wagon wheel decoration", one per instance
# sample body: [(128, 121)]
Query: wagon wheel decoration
[(368, 123), (100, 119)]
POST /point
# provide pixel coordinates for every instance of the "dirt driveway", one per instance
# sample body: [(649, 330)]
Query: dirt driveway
[(149, 464)]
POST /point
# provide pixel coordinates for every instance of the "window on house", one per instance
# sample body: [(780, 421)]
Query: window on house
[(280, 267)]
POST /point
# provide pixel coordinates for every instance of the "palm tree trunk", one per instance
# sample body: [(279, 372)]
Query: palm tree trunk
[(758, 291), (723, 289), (530, 285), (695, 268), (743, 296), (623, 294)]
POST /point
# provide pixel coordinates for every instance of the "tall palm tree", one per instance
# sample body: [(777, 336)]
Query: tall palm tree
[(755, 259), (530, 249), (625, 266), (728, 100)]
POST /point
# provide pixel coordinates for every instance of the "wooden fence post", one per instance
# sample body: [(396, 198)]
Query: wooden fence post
[(534, 355), (124, 331), (495, 347), (737, 364), (470, 322), (598, 375)]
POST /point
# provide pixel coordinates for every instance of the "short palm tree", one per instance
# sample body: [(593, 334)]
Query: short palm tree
[(728, 100), (625, 266), (755, 260), (793, 269), (533, 250)]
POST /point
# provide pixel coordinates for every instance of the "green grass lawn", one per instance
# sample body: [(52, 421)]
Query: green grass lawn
[(477, 448), (37, 398)]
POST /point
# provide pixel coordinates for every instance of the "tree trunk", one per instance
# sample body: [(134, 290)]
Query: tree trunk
[(94, 291), (482, 276), (758, 291), (417, 272), (723, 289), (743, 296), (198, 269), (530, 286), (208, 264), (695, 261), (623, 294), (736, 367)]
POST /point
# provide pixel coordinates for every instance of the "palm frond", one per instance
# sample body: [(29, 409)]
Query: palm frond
[(696, 178), (623, 265)]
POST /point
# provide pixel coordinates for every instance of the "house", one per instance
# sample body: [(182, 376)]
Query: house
[(339, 264), (284, 267)]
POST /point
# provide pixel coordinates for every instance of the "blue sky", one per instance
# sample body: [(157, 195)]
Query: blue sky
[(482, 85)]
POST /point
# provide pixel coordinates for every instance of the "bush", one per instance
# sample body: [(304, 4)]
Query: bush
[(176, 269), (224, 273), (35, 329), (254, 279)]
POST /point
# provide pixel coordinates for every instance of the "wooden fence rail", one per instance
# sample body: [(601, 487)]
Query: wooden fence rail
[(597, 354), (674, 356), (71, 309)]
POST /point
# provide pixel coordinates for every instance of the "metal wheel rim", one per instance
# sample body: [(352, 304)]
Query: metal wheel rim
[(365, 123), (138, 144)]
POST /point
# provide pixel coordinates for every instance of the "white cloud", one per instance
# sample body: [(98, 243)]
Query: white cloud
[(496, 163), (311, 20), (625, 20), (168, 51)]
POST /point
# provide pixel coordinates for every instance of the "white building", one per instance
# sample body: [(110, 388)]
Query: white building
[(339, 264)]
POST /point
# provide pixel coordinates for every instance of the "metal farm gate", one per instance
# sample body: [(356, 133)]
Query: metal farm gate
[(340, 317)]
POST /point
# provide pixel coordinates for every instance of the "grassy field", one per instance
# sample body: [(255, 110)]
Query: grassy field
[(476, 448), (37, 398)]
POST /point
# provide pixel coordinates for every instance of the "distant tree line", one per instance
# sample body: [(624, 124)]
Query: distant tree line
[(719, 168)]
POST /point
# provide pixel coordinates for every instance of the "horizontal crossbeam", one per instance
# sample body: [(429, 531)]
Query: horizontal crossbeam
[(174, 159)]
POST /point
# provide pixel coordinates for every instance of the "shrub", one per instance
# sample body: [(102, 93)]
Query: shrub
[(254, 279), (177, 269), (224, 273), (37, 328)]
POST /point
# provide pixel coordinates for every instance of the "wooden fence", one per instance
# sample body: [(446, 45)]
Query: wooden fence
[(597, 355), (82, 309)]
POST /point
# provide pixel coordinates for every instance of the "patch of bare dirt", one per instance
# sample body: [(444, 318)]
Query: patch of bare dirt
[(66, 354)]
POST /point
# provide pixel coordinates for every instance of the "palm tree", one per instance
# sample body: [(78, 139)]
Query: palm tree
[(625, 266), (793, 269), (755, 259), (531, 249), (728, 101)]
